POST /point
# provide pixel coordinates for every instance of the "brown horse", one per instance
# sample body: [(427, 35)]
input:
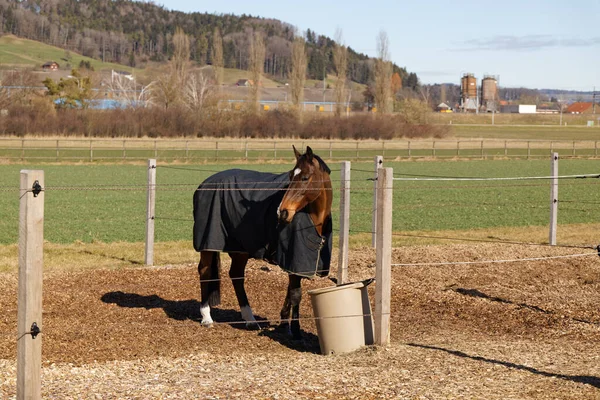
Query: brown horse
[(244, 214)]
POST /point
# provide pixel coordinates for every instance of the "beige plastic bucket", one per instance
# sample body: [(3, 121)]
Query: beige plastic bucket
[(343, 317)]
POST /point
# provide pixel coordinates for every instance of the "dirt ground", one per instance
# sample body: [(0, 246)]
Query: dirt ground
[(510, 330)]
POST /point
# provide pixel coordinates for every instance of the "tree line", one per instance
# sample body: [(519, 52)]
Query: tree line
[(135, 33)]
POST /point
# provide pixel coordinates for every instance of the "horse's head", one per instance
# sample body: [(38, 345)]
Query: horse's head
[(308, 181)]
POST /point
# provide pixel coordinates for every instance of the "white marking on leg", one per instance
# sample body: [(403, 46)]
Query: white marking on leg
[(247, 314), (205, 312)]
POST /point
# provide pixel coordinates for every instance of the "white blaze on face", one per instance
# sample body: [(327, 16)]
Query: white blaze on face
[(297, 171)]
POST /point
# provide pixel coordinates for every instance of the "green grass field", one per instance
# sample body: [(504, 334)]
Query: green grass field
[(15, 51), (106, 203)]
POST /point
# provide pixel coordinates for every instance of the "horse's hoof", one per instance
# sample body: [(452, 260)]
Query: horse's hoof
[(252, 326), (284, 328), (207, 324)]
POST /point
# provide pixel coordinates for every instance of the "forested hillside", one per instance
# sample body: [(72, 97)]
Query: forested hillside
[(135, 33)]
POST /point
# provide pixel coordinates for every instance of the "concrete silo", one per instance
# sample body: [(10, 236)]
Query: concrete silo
[(489, 93), (468, 93)]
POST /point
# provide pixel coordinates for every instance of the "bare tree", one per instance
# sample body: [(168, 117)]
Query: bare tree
[(217, 57), (257, 64), (340, 61), (197, 91), (383, 74), (167, 89), (124, 88), (163, 91), (298, 73), (181, 56), (17, 87)]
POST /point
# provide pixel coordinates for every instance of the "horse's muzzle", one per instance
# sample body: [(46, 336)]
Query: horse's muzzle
[(285, 217)]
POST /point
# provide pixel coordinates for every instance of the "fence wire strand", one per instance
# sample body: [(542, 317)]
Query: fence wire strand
[(499, 241), (429, 264), (518, 178)]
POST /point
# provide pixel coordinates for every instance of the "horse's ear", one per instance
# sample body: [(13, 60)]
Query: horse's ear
[(296, 153), (309, 154)]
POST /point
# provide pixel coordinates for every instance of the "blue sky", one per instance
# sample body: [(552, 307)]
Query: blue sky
[(529, 43)]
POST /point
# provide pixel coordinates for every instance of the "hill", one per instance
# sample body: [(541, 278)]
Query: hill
[(18, 52), (137, 34)]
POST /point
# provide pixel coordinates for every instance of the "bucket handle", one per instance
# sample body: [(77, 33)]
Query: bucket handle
[(365, 282), (368, 281)]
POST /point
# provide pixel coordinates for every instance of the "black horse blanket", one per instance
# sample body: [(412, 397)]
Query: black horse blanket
[(236, 211)]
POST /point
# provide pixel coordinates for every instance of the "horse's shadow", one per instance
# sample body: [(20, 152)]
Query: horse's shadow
[(182, 310)]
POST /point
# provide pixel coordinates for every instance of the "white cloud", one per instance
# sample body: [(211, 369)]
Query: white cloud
[(526, 43)]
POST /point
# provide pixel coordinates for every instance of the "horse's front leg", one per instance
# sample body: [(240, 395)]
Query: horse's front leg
[(210, 288), (286, 309), (292, 300), (236, 273)]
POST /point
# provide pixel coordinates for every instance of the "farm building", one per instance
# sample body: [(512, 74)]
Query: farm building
[(443, 107), (519, 109), (118, 74), (244, 82), (580, 108), (50, 66)]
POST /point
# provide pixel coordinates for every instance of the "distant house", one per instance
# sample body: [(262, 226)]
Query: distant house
[(50, 66), (443, 107), (244, 82), (580, 108), (118, 74)]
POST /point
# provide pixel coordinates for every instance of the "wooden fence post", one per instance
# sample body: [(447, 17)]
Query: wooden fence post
[(383, 273), (344, 223), (29, 308), (150, 211), (378, 164), (553, 199)]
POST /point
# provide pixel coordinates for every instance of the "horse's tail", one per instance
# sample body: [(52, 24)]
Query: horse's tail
[(214, 285)]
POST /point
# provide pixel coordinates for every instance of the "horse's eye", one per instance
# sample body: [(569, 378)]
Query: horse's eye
[(305, 178)]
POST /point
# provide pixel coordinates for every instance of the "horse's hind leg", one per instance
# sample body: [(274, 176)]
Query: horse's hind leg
[(210, 285), (292, 303), (236, 273)]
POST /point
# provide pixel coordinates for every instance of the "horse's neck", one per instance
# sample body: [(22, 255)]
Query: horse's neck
[(320, 209)]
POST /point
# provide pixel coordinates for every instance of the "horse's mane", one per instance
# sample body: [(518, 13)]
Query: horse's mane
[(322, 164)]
